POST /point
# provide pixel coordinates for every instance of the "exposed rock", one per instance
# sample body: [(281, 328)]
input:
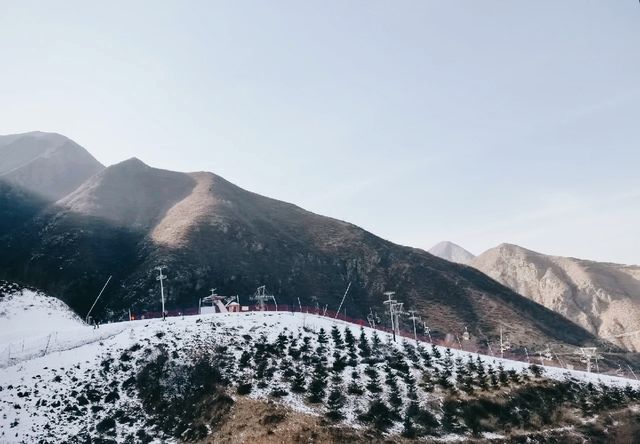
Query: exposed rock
[(602, 297)]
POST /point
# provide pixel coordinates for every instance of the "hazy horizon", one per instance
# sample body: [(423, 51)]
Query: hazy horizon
[(478, 123)]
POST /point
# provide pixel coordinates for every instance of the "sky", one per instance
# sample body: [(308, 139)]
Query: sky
[(479, 122)]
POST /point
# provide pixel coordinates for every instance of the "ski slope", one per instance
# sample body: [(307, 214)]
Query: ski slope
[(39, 384)]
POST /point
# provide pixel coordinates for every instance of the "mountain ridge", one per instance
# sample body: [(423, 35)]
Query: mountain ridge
[(47, 164), (600, 296), (213, 234)]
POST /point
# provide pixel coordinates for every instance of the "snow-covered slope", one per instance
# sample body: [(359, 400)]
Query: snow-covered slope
[(452, 252), (26, 314), (86, 387)]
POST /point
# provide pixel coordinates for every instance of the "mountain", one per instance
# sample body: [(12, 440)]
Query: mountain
[(451, 252), (46, 164), (603, 298), (130, 217)]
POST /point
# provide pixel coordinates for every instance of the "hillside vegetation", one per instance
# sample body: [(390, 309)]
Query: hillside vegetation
[(187, 379)]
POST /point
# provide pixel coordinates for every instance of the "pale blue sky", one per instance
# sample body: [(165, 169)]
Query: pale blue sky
[(479, 122)]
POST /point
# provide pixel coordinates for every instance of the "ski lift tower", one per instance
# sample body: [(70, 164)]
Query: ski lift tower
[(588, 354), (504, 344), (427, 330), (398, 309), (545, 355), (161, 277), (261, 297), (371, 318), (391, 302), (414, 318)]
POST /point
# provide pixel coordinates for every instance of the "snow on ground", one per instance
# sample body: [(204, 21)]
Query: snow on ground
[(27, 313), (65, 358)]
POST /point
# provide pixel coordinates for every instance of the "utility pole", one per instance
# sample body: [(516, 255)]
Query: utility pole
[(391, 302), (160, 278)]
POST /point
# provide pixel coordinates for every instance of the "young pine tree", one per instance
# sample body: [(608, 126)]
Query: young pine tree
[(376, 343), (493, 377), (481, 374), (397, 361), (503, 377), (373, 384), (426, 356), (354, 386), (514, 376), (451, 416), (350, 342), (286, 367), (435, 352), (378, 415), (461, 372), (335, 401), (245, 360), (336, 336), (408, 428), (339, 361), (394, 398), (349, 339), (323, 340), (410, 351), (298, 382), (447, 363), (363, 345), (281, 343), (318, 384)]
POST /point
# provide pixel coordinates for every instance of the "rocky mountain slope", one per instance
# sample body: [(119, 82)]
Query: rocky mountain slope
[(130, 217), (283, 377), (603, 298), (452, 252), (46, 164)]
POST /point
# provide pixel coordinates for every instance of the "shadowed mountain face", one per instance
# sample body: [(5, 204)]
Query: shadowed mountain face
[(48, 165), (130, 217), (604, 298)]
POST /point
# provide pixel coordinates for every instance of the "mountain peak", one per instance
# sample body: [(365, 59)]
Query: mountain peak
[(48, 165), (452, 252), (130, 193)]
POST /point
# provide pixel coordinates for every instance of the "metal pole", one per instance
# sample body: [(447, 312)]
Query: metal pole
[(94, 302), (390, 302), (342, 301), (161, 277), (162, 293)]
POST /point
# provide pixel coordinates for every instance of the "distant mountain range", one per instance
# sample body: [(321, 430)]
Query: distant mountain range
[(66, 231), (46, 164), (604, 298), (451, 252)]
